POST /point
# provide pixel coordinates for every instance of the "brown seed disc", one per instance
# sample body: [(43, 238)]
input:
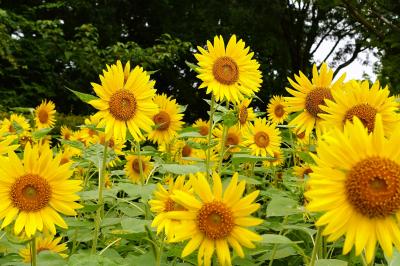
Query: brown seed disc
[(136, 166), (203, 130), (261, 139), (365, 112), (186, 151), (231, 139), (162, 120), (225, 70), (279, 110), (243, 114), (373, 187), (123, 105), (30, 193), (215, 220), (43, 116), (315, 98)]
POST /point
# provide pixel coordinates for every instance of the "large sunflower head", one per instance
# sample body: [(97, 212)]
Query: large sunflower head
[(35, 190), (167, 121), (228, 73), (308, 96), (44, 243), (215, 219), (356, 183), (45, 114), (277, 110), (357, 99), (132, 167), (15, 124), (263, 138), (162, 203), (126, 101), (245, 114)]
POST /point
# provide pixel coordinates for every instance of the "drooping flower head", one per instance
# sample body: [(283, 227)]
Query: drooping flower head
[(45, 115), (35, 190), (228, 73), (356, 184), (308, 96), (215, 219), (126, 101)]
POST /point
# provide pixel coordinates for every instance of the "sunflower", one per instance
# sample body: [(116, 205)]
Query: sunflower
[(16, 123), (262, 138), (167, 121), (162, 203), (233, 138), (229, 73), (278, 160), (356, 183), (245, 114), (5, 146), (44, 243), (308, 96), (277, 110), (132, 167), (202, 128), (125, 101), (183, 152), (35, 190), (66, 132), (45, 115), (359, 100), (301, 171), (214, 220)]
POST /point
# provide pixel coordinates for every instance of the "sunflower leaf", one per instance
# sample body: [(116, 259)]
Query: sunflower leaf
[(83, 96)]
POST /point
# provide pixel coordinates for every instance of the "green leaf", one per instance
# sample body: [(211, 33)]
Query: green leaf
[(84, 96), (73, 143), (18, 129), (134, 190), (192, 66), (238, 158), (181, 169), (40, 133), (332, 262), (281, 206), (50, 258), (275, 239), (94, 153)]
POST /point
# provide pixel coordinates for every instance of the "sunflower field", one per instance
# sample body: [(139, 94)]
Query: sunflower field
[(310, 179)]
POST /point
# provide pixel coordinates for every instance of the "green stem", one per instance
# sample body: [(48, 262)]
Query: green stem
[(221, 153), (140, 163), (33, 251), (276, 245), (158, 259), (317, 245), (100, 201), (211, 123)]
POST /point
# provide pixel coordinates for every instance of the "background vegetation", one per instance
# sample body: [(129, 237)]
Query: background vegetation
[(48, 46)]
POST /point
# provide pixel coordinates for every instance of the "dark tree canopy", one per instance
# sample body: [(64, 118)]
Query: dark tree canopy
[(48, 46)]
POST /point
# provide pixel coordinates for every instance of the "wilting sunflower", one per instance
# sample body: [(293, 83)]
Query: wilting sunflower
[(356, 182), (132, 167), (35, 190), (277, 110), (15, 124), (359, 100), (245, 114), (167, 121), (229, 73), (233, 138), (44, 243), (214, 220), (126, 101), (202, 127), (308, 96), (262, 138), (162, 203), (45, 115)]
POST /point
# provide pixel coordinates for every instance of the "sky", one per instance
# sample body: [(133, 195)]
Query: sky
[(353, 71)]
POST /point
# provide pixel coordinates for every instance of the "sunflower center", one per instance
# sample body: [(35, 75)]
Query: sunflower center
[(231, 139), (136, 166), (307, 171), (186, 151), (315, 98), (64, 160), (43, 116), (373, 187), (301, 135), (215, 220), (243, 114), (203, 130), (276, 157), (11, 129), (279, 110), (30, 193), (225, 70), (162, 120), (261, 139), (365, 112), (123, 105)]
